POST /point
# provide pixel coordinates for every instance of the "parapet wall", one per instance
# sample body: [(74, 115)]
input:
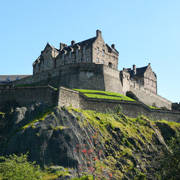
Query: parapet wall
[(95, 77), (130, 108), (149, 98), (23, 96)]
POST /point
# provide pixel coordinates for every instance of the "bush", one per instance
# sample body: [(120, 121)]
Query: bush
[(17, 168)]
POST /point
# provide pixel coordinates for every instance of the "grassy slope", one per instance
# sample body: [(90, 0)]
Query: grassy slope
[(103, 95), (126, 140)]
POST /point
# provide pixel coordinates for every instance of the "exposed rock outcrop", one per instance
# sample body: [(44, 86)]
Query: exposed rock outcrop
[(51, 136)]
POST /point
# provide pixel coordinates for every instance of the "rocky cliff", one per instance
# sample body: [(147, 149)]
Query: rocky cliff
[(124, 147)]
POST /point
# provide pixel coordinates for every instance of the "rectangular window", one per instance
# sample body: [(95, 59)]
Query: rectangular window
[(69, 54), (103, 52), (97, 60), (97, 50), (87, 59), (63, 56), (76, 52), (103, 61), (84, 50)]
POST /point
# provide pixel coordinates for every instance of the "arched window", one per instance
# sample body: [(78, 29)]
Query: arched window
[(110, 64)]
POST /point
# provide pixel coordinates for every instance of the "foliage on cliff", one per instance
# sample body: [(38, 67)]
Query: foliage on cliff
[(132, 148)]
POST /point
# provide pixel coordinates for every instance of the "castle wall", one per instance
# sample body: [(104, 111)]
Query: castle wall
[(23, 96), (149, 98), (150, 80), (68, 97), (130, 108), (101, 54), (82, 75), (112, 80)]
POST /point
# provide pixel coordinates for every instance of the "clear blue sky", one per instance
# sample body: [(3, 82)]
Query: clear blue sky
[(143, 31)]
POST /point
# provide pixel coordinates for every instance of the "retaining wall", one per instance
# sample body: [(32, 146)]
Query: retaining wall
[(150, 98), (130, 108), (23, 96)]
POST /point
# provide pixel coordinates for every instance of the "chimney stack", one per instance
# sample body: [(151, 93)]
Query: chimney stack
[(62, 46), (113, 46), (72, 42), (98, 33), (134, 68)]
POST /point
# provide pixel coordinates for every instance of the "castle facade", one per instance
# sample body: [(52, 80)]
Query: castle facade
[(93, 64), (93, 50)]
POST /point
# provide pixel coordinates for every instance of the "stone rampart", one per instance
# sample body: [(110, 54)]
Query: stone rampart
[(68, 97), (130, 108), (149, 98), (112, 80), (23, 96), (80, 76), (95, 77)]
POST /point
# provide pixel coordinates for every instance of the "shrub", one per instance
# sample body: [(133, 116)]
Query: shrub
[(17, 168)]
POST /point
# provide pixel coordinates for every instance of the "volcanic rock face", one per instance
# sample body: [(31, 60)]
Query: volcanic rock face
[(51, 137)]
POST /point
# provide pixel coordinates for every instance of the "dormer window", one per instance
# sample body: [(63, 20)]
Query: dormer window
[(103, 52), (97, 50), (76, 52), (84, 50)]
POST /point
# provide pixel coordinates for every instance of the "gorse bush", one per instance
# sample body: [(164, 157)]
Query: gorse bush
[(18, 168)]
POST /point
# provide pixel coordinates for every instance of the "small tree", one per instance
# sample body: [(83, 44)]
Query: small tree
[(17, 168), (170, 168)]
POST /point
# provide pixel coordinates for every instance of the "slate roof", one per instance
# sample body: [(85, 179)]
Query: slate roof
[(10, 78), (139, 72), (86, 43)]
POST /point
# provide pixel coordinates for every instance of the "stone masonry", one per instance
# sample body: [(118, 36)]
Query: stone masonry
[(93, 64)]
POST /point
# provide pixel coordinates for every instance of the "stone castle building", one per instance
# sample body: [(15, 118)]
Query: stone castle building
[(93, 64), (93, 50)]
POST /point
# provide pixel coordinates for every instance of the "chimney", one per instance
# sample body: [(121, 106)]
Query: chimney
[(113, 46), (149, 64), (62, 46), (72, 42), (134, 68), (98, 33)]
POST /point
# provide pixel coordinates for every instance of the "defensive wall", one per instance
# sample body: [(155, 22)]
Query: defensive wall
[(24, 96), (130, 108), (94, 77), (80, 75), (149, 98)]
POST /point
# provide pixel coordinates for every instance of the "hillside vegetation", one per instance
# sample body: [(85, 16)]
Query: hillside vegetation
[(106, 145), (104, 95)]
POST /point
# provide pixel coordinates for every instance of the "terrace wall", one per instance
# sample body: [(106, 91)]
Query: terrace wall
[(130, 108), (24, 96)]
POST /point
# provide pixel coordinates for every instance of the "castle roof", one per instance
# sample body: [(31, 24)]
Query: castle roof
[(139, 72), (85, 43)]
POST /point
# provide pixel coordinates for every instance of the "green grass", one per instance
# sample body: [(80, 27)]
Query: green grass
[(152, 107), (103, 95), (40, 117)]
